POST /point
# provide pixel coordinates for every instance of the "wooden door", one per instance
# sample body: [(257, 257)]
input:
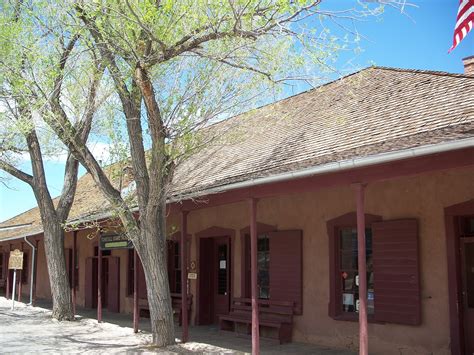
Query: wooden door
[(222, 277), (113, 284), (467, 270)]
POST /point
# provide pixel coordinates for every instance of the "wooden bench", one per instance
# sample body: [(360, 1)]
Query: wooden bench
[(272, 314), (175, 304)]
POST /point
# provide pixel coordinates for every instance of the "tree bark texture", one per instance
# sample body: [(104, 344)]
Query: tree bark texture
[(57, 271), (151, 247)]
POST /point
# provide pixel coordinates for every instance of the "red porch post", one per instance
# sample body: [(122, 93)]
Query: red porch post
[(20, 276), (184, 276), (135, 291), (7, 291), (99, 283), (362, 266), (253, 268), (73, 276), (35, 271)]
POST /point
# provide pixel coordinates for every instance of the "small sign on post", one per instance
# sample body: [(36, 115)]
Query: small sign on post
[(15, 262)]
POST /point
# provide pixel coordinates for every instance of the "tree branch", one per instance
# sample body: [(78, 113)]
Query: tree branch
[(12, 170)]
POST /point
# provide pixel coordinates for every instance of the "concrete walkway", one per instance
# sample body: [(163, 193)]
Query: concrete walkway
[(31, 329)]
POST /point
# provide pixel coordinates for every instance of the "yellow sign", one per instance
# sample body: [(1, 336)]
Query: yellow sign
[(16, 260)]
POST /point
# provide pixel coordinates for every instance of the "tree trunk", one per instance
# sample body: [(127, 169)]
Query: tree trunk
[(151, 248), (57, 270)]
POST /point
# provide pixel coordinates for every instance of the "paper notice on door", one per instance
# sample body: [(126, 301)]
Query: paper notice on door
[(222, 264), (348, 299)]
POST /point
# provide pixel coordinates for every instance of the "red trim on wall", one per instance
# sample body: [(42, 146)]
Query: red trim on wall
[(451, 215), (369, 174)]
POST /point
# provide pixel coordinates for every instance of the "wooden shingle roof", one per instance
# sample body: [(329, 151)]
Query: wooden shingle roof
[(373, 111)]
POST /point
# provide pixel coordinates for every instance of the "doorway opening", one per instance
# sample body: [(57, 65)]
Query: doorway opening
[(460, 250), (110, 281), (214, 278)]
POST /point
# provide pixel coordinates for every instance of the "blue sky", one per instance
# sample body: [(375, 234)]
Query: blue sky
[(419, 42)]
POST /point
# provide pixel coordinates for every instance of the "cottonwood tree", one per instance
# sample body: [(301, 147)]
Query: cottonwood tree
[(165, 59), (32, 83)]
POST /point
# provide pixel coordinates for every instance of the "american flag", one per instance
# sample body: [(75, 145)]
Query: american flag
[(464, 21)]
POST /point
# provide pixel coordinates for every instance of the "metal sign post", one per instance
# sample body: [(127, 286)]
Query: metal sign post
[(16, 263), (14, 288)]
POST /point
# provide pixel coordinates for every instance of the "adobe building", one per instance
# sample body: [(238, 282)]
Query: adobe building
[(386, 151)]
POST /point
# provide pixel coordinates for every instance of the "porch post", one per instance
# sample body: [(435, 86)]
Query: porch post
[(7, 291), (20, 276), (253, 268), (362, 266), (99, 283), (36, 271), (184, 276), (73, 276), (135, 291)]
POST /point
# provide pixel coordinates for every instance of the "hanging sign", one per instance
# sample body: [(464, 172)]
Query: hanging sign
[(16, 260), (115, 241)]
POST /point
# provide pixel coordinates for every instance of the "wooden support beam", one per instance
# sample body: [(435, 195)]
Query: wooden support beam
[(362, 267), (7, 292), (36, 271), (136, 315), (99, 283), (184, 276), (20, 277), (253, 268), (73, 276)]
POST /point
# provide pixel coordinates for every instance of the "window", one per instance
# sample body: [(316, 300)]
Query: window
[(392, 268), (130, 272), (174, 266), (24, 272), (1, 266), (263, 261), (76, 270), (176, 287), (348, 269), (279, 267)]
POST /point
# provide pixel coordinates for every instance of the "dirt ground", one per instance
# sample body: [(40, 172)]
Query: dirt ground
[(32, 330)]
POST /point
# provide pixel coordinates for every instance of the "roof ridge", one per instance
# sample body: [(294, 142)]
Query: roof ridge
[(424, 71)]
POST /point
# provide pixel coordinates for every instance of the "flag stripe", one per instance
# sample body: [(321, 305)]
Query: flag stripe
[(464, 21)]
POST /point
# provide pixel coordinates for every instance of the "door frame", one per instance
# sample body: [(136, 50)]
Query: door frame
[(214, 232), (453, 215)]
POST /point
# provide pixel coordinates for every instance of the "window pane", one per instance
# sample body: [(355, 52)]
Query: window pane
[(349, 260), (263, 262), (349, 270)]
